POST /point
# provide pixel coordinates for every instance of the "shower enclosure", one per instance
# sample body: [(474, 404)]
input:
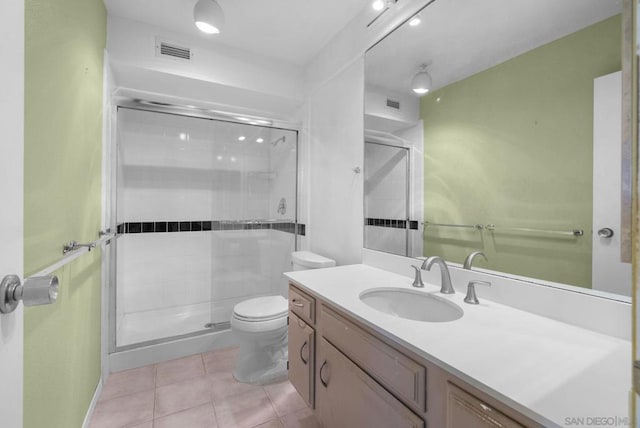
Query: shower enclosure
[(387, 198), (206, 218)]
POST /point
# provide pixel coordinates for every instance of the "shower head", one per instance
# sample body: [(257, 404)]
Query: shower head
[(279, 140)]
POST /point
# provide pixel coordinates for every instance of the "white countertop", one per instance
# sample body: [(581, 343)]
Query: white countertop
[(552, 372)]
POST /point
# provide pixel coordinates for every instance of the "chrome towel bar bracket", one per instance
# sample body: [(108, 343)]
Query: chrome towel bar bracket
[(73, 245), (35, 291)]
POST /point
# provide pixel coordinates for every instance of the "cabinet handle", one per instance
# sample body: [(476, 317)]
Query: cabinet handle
[(301, 349), (324, 383), (486, 408), (295, 302)]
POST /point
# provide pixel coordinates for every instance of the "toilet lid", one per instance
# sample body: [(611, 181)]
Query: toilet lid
[(262, 308)]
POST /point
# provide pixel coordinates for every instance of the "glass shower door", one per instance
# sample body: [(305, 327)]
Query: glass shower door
[(254, 212), (201, 221), (386, 198)]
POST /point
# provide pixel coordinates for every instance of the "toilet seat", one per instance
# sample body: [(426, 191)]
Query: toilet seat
[(260, 314), (261, 309)]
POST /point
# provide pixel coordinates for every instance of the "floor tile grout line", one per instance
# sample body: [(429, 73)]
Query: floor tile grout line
[(100, 400), (270, 400), (275, 409), (213, 406)]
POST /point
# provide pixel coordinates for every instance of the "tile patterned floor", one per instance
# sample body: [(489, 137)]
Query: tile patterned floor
[(197, 392)]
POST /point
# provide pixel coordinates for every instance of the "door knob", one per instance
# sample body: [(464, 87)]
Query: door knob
[(41, 290), (605, 232)]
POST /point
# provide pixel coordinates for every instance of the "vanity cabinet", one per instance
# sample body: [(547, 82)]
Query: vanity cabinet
[(302, 305), (357, 377), (302, 344), (302, 357), (346, 397), (401, 375), (467, 411)]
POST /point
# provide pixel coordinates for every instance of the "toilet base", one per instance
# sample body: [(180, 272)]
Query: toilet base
[(259, 365), (247, 371)]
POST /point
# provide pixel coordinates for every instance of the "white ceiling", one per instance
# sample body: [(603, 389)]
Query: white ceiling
[(290, 30), (459, 38)]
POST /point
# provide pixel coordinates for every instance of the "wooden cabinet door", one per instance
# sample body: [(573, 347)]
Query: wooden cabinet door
[(346, 397), (301, 357), (466, 411)]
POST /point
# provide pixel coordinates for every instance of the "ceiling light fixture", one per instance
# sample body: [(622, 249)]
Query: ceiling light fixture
[(208, 16), (260, 140), (416, 20), (381, 7), (378, 4), (421, 83), (241, 138)]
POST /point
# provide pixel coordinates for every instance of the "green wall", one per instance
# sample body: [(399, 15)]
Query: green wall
[(512, 146), (64, 45)]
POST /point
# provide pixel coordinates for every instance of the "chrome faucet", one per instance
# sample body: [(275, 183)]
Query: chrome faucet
[(471, 297), (469, 260), (445, 278), (417, 280)]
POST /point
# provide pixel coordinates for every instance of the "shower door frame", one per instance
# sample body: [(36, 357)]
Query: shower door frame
[(407, 237), (176, 110)]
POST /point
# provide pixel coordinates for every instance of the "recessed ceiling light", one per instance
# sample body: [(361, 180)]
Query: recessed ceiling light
[(241, 138), (184, 136), (415, 20), (233, 159), (219, 158), (260, 140), (378, 5)]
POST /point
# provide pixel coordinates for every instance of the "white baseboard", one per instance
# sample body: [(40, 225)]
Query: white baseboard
[(92, 406)]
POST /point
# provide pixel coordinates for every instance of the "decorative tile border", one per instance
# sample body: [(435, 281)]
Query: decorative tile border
[(392, 223), (205, 226)]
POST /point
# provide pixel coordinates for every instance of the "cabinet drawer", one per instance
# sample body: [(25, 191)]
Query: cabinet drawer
[(401, 375), (465, 410), (301, 357), (302, 305), (347, 398)]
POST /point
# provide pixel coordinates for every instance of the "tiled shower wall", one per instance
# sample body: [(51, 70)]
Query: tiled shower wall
[(179, 169)]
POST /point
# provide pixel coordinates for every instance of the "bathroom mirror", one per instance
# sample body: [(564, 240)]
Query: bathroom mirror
[(515, 150)]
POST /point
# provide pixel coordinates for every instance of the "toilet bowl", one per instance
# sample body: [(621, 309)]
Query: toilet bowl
[(260, 325)]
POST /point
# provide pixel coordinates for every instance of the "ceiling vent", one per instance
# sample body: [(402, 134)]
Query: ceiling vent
[(166, 49), (393, 104)]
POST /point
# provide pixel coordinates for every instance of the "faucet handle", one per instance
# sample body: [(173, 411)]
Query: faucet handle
[(417, 280), (471, 297)]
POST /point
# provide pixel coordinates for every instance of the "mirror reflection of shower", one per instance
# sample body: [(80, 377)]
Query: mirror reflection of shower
[(203, 222)]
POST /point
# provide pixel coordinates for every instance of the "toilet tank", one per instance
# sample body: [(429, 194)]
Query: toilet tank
[(303, 260)]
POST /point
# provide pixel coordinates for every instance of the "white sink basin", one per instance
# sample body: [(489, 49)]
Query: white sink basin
[(412, 305)]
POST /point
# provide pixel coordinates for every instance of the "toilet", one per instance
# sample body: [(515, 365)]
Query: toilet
[(260, 325)]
